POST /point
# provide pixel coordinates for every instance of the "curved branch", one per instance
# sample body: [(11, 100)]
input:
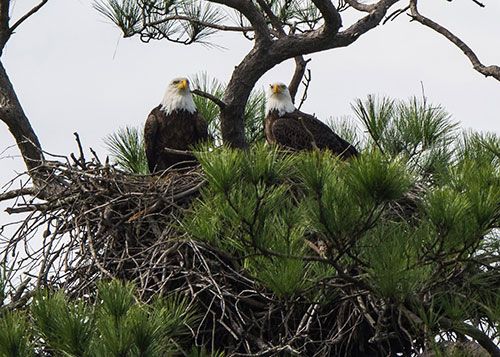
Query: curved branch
[(275, 21), (195, 21), (253, 15), (213, 98), (320, 40), (12, 114), (360, 6), (333, 21), (472, 332), (488, 71)]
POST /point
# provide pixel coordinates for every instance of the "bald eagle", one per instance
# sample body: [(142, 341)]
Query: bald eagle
[(174, 124), (286, 126)]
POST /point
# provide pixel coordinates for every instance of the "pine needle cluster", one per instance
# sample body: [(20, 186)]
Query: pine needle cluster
[(114, 325)]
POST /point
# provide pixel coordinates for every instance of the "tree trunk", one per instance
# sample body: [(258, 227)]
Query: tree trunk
[(12, 114), (245, 75)]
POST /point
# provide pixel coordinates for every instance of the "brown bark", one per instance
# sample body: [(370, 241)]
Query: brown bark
[(12, 114), (11, 111), (488, 71), (268, 53)]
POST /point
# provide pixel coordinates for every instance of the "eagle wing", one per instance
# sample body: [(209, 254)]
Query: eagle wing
[(201, 126), (150, 138), (326, 138), (290, 133), (303, 131)]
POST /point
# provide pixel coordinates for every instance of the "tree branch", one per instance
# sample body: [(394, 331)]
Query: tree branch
[(493, 71), (275, 21), (4, 23), (32, 191), (333, 21), (472, 332), (12, 114), (315, 41), (213, 98), (300, 69), (360, 6), (195, 21), (27, 15), (460, 327), (253, 15)]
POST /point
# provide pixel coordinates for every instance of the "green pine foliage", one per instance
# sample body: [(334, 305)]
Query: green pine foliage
[(412, 222), (126, 147), (15, 335), (116, 325), (416, 215)]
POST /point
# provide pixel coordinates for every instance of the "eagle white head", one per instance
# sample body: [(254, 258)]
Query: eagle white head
[(178, 96), (279, 98)]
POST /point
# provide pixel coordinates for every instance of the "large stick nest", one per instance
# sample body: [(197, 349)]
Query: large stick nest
[(90, 222)]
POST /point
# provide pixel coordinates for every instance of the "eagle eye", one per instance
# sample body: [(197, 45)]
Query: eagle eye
[(175, 82)]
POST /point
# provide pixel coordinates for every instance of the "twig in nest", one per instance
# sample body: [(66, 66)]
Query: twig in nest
[(81, 160)]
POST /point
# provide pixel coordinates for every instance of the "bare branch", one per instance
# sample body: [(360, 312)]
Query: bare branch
[(254, 16), (275, 22), (196, 21), (316, 41), (474, 333), (306, 82), (480, 4), (12, 114), (213, 98), (300, 69), (32, 191), (27, 15), (360, 6), (4, 23), (331, 16), (493, 70), (395, 14)]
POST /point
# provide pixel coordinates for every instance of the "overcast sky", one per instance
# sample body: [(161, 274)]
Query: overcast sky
[(73, 72)]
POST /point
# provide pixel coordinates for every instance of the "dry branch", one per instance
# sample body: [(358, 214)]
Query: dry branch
[(488, 71)]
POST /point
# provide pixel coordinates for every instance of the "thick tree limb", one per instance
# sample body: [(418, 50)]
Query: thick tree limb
[(488, 71), (320, 40), (4, 23), (462, 328), (333, 21), (474, 333), (266, 55), (360, 6), (275, 21), (12, 114)]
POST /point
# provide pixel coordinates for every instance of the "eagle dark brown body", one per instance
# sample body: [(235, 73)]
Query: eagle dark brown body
[(301, 131), (178, 130)]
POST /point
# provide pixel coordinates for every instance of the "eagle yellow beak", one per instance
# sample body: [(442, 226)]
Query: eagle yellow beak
[(276, 88), (183, 84)]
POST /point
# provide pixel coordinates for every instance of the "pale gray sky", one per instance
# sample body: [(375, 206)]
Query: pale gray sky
[(73, 72)]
